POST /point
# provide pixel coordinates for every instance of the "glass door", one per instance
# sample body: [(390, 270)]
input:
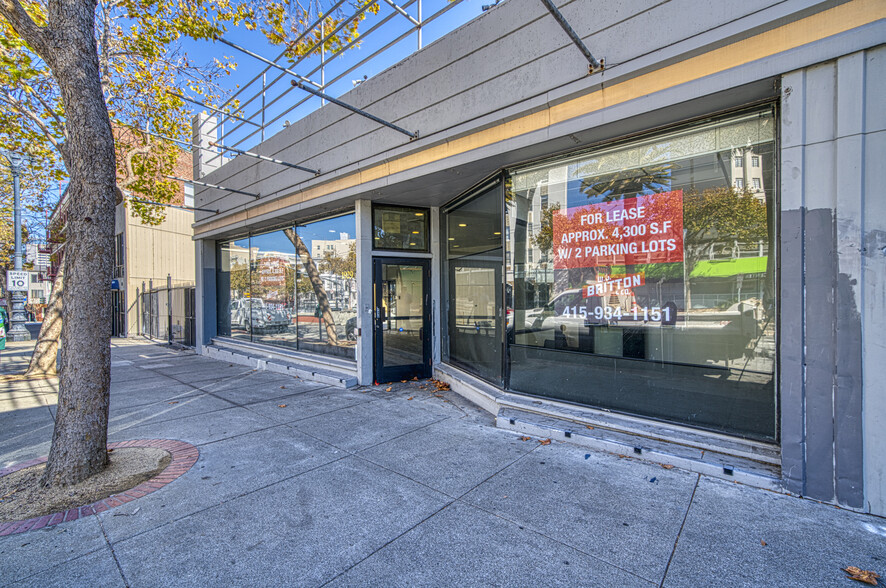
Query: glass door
[(402, 318)]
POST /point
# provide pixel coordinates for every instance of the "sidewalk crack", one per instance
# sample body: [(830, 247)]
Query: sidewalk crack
[(680, 532)]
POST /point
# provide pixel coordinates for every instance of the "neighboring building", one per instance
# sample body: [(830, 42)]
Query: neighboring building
[(679, 256), (145, 255)]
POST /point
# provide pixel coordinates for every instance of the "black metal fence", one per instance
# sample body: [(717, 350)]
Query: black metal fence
[(169, 314)]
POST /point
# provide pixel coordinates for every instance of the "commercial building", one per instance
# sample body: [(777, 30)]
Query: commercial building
[(679, 255)]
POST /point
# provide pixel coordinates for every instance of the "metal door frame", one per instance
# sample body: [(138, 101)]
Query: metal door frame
[(421, 370)]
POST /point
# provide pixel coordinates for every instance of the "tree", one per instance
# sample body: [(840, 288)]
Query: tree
[(719, 215), (69, 70), (316, 283)]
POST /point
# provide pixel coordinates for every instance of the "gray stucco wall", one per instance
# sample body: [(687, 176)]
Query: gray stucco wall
[(832, 277)]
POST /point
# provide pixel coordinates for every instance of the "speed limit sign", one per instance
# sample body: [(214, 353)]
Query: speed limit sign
[(17, 281)]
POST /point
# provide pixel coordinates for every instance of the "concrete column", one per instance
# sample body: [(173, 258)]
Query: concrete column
[(206, 302), (364, 292), (206, 158)]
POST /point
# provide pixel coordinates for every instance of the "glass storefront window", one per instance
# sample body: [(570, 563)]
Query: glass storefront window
[(400, 228), (474, 283), (327, 286), (643, 277), (295, 287), (273, 268), (233, 288)]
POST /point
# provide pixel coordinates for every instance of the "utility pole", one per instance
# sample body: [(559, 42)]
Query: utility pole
[(18, 332)]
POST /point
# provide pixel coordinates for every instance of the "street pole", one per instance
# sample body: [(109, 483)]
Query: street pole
[(18, 332)]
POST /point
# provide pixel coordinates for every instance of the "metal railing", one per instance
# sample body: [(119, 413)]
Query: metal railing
[(261, 106), (169, 314)]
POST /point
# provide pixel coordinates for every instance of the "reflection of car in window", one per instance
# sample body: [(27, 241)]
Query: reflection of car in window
[(253, 314)]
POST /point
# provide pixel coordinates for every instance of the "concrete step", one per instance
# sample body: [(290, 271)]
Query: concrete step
[(722, 456), (331, 371), (666, 452)]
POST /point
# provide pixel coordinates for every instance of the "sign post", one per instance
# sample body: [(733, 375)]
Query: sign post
[(18, 332)]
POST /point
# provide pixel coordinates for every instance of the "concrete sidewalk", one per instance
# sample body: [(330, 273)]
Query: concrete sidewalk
[(307, 485)]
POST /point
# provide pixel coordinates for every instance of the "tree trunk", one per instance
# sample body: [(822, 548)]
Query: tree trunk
[(67, 45), (316, 283), (44, 360)]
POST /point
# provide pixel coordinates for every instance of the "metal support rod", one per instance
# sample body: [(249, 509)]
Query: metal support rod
[(212, 108), (561, 20), (323, 59), (264, 60), (354, 109), (168, 205), (266, 158), (264, 87), (17, 318), (403, 12), (164, 137), (418, 26), (214, 186), (298, 82)]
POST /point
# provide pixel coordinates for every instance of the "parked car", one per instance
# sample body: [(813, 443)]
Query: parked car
[(254, 315), (351, 328)]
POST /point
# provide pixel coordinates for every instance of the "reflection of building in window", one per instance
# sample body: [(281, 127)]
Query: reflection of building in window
[(338, 247), (747, 173)]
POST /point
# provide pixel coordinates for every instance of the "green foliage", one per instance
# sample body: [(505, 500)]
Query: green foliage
[(340, 266), (544, 239)]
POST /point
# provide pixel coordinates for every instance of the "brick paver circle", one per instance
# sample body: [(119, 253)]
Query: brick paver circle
[(184, 455)]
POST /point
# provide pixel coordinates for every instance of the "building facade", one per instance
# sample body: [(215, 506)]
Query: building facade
[(679, 255)]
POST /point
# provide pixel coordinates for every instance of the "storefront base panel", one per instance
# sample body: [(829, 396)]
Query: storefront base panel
[(747, 462), (323, 369)]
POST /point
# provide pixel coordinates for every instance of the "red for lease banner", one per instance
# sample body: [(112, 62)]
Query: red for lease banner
[(642, 229)]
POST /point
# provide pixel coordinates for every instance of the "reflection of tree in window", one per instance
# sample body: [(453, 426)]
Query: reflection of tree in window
[(627, 182), (717, 216)]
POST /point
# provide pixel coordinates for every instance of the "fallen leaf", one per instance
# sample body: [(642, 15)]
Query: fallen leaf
[(174, 402), (667, 466), (622, 456), (589, 426), (402, 381), (410, 398), (109, 451), (763, 543), (544, 441), (525, 438), (415, 378), (860, 575), (281, 406), (282, 387), (388, 389)]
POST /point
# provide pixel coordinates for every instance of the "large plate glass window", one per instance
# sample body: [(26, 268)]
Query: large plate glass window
[(295, 287), (326, 289), (473, 230), (643, 276), (233, 288)]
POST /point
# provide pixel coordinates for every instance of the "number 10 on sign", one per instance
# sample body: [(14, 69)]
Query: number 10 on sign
[(17, 281)]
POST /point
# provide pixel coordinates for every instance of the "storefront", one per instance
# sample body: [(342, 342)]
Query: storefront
[(589, 278), (674, 253)]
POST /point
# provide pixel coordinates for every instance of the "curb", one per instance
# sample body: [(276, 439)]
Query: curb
[(184, 455)]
